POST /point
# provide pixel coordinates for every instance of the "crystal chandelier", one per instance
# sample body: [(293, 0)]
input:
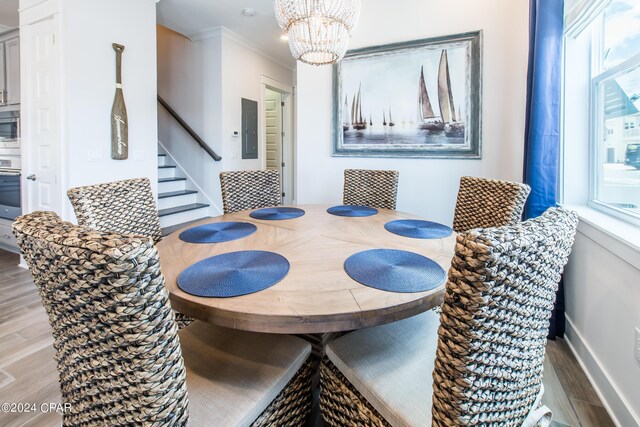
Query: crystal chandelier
[(318, 30)]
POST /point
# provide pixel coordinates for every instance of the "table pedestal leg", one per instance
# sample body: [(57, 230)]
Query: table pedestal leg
[(318, 345)]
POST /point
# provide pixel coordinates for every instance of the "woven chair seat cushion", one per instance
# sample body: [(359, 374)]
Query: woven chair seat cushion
[(391, 366), (232, 375)]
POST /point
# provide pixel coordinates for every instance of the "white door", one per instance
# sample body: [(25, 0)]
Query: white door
[(278, 136), (41, 118)]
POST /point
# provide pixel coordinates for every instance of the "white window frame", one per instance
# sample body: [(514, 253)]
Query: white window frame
[(597, 131)]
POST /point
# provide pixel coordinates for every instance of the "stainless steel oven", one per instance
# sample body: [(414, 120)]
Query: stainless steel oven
[(10, 206), (10, 126), (10, 165)]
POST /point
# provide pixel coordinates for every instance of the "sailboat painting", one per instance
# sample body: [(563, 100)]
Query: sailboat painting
[(411, 99)]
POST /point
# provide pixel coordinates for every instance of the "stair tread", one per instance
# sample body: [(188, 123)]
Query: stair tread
[(176, 193), (183, 208), (173, 178), (168, 230), (166, 167)]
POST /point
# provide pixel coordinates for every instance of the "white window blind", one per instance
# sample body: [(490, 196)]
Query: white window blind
[(578, 14)]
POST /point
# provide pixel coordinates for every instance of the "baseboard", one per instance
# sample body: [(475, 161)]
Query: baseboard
[(616, 405), (9, 248)]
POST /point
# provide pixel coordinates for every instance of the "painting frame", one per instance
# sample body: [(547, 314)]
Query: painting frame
[(471, 145)]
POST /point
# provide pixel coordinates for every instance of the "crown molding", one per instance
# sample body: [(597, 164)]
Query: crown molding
[(27, 4), (209, 33), (224, 32)]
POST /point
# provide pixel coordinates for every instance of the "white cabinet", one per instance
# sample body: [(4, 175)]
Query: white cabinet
[(9, 69), (3, 75), (7, 240), (12, 67)]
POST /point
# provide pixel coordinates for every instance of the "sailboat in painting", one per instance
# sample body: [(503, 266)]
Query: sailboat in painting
[(391, 123), (356, 112), (427, 120), (353, 109), (453, 127), (345, 115)]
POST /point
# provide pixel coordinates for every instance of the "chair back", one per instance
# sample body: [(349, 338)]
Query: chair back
[(373, 188), (252, 189), (116, 342), (486, 202), (124, 207), (495, 320)]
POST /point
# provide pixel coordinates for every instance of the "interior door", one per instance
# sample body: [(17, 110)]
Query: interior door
[(273, 124), (40, 120), (278, 136)]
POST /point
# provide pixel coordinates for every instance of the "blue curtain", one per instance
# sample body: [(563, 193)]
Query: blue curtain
[(542, 128)]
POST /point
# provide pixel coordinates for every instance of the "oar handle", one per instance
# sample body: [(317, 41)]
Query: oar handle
[(119, 49)]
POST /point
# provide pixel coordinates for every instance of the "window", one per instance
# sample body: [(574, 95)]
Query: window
[(615, 91)]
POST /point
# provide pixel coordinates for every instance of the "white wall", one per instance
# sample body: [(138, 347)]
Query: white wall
[(427, 186), (190, 80), (242, 73), (204, 81), (603, 308), (85, 80), (91, 26)]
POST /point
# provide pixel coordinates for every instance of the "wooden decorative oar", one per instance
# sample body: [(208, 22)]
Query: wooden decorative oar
[(119, 120)]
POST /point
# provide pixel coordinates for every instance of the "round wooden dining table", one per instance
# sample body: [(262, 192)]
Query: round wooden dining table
[(317, 295)]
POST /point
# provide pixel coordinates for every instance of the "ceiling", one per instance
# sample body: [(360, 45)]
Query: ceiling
[(190, 17), (8, 14)]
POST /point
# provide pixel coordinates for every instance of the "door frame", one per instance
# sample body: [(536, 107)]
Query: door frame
[(288, 125)]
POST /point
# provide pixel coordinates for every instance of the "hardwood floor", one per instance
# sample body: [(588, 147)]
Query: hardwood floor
[(28, 372)]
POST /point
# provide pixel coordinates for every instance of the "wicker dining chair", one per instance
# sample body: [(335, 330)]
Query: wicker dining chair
[(252, 189), (484, 202), (123, 207), (480, 363), (119, 355), (373, 188)]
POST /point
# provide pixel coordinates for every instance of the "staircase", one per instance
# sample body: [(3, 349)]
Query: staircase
[(179, 202)]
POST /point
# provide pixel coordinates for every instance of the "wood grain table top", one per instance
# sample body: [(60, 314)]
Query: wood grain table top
[(317, 295)]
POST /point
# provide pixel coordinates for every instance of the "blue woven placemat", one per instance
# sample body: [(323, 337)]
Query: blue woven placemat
[(234, 274), (217, 232), (418, 229), (394, 270), (349, 210), (277, 213)]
